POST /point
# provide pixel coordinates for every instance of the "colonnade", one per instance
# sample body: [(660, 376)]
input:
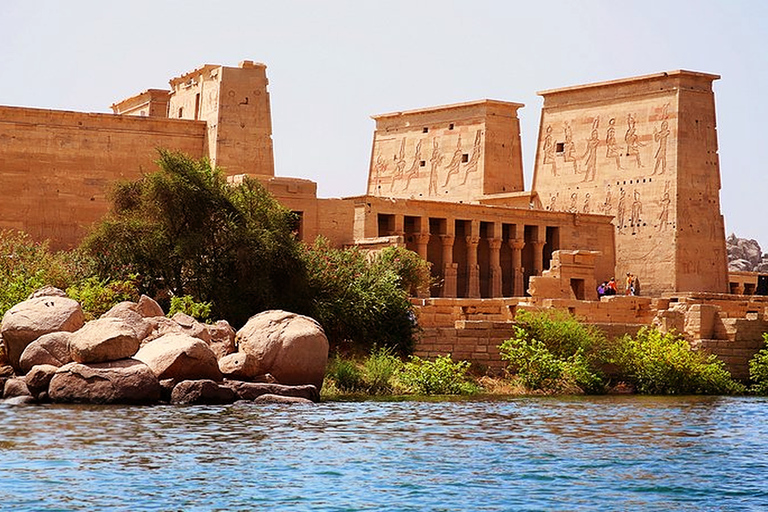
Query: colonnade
[(475, 258)]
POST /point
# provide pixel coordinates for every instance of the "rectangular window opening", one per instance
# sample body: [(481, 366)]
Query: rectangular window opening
[(465, 158), (425, 130), (560, 147)]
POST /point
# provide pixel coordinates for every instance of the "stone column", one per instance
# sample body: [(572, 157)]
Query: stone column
[(449, 267), (422, 241), (538, 257), (473, 269), (517, 266), (495, 270)]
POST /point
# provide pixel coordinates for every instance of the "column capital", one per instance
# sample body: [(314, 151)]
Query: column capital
[(447, 239), (472, 240), (516, 243), (421, 238), (494, 243)]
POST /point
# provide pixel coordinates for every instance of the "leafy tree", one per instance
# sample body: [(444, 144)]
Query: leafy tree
[(184, 231)]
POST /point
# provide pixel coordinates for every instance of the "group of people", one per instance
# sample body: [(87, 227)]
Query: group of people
[(607, 288)]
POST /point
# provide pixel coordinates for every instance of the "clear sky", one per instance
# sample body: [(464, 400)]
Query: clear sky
[(332, 64)]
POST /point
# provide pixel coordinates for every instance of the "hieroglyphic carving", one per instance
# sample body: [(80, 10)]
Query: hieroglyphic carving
[(590, 155), (607, 205), (621, 209), (553, 202), (474, 159), (399, 164), (548, 149), (661, 137), (573, 208), (633, 140), (569, 147), (637, 210), (612, 148), (413, 171), (586, 207), (379, 168), (664, 204), (454, 164), (434, 163)]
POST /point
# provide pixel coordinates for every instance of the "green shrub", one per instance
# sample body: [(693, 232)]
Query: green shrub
[(379, 371), (758, 370), (344, 375), (184, 231), (551, 351), (442, 376), (664, 363), (97, 296), (186, 304), (361, 298), (26, 265)]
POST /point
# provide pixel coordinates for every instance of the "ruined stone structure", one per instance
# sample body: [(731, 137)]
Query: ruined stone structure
[(626, 179), (643, 150)]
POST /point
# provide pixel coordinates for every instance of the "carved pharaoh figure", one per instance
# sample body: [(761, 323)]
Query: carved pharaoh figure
[(399, 164), (475, 158), (661, 137), (612, 147), (453, 165), (434, 163), (633, 140), (548, 149), (414, 170), (590, 155), (569, 148)]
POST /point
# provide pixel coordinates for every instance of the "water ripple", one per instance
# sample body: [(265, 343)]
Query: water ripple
[(598, 453)]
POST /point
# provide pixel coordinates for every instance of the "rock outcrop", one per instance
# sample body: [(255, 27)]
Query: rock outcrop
[(102, 340), (28, 320), (127, 381), (51, 348), (180, 357), (745, 255), (293, 348)]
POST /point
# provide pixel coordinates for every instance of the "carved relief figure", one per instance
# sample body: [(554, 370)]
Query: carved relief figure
[(552, 202), (414, 169), (585, 208), (637, 210), (590, 155), (621, 210), (664, 204), (574, 199), (633, 140), (612, 148), (607, 205), (569, 148), (434, 162), (379, 168), (548, 149), (475, 158), (661, 137), (399, 164), (453, 165)]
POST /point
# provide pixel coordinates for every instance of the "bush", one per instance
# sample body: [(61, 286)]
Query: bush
[(344, 375), (26, 265), (184, 231), (664, 363), (553, 352), (362, 298), (442, 376), (379, 371), (96, 296), (186, 304), (758, 370)]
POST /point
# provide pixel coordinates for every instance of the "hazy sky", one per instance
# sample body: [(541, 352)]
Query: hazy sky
[(332, 64)]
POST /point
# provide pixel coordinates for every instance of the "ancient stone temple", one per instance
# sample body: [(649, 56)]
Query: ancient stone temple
[(626, 179), (643, 150)]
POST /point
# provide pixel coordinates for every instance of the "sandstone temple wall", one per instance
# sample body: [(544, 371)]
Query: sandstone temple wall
[(644, 150), (58, 166)]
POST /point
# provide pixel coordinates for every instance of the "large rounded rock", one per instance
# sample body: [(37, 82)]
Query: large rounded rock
[(16, 386), (129, 313), (201, 392), (148, 307), (293, 348), (39, 377), (28, 320), (102, 340), (127, 381), (239, 366), (51, 348), (219, 336), (180, 357)]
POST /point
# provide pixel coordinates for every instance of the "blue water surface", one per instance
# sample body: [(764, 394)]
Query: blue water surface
[(585, 453)]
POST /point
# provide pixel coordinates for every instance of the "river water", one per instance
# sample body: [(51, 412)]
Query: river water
[(594, 453)]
